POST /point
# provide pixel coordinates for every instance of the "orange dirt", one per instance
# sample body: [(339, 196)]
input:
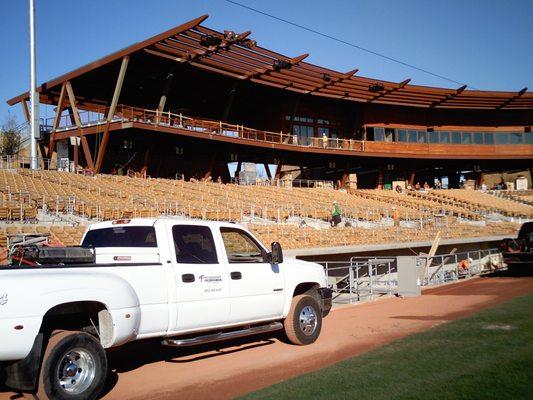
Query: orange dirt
[(144, 370)]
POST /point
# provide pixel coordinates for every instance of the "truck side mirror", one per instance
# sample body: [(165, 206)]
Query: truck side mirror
[(277, 253)]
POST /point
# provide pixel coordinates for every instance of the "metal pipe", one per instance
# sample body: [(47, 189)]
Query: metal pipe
[(34, 99)]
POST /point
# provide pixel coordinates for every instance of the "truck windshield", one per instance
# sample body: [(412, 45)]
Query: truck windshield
[(120, 236)]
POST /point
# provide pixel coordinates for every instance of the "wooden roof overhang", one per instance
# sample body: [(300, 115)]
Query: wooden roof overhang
[(237, 56)]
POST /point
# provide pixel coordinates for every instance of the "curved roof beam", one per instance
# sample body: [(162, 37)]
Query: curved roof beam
[(389, 91), (509, 101), (448, 97)]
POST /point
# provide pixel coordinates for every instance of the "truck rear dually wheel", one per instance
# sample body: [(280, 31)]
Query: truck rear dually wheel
[(74, 367), (304, 322)]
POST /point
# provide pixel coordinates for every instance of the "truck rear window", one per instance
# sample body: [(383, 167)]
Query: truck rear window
[(121, 236)]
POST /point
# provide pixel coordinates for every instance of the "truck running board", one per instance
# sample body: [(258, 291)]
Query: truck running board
[(215, 337)]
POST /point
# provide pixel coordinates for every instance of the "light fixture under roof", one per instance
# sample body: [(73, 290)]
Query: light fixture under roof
[(376, 87), (281, 64), (210, 41)]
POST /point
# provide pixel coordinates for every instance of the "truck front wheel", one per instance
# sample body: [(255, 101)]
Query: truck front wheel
[(304, 322), (74, 367)]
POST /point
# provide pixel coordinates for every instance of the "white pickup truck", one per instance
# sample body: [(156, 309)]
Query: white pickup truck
[(186, 282)]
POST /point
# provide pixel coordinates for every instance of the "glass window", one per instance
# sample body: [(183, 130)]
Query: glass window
[(515, 137), (379, 134), (121, 236), (433, 137), (322, 131), (421, 136), (478, 138), (489, 138), (303, 130), (456, 137), (401, 135), (467, 138), (502, 138), (444, 137), (412, 136), (389, 134), (194, 244), (370, 133), (240, 247), (528, 137)]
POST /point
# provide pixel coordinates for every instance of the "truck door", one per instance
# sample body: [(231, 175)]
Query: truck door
[(202, 279), (256, 287)]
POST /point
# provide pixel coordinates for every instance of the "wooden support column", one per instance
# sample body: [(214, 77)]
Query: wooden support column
[(208, 173), (229, 102), (267, 170), (57, 119), (75, 116), (25, 110), (278, 170), (166, 91), (411, 179), (111, 112), (87, 152)]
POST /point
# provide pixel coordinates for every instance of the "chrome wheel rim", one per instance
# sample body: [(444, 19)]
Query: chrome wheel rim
[(308, 320), (76, 371)]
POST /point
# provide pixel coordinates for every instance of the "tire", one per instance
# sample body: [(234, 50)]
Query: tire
[(74, 367), (304, 322)]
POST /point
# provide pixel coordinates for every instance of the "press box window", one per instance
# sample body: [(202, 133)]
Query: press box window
[(240, 247), (194, 244)]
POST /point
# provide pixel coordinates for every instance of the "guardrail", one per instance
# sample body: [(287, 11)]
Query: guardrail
[(361, 277), (125, 113), (366, 277), (445, 268)]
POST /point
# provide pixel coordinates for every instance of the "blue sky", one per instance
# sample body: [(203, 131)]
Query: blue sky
[(486, 44)]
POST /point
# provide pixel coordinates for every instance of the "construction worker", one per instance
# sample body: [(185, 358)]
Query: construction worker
[(395, 216), (335, 214)]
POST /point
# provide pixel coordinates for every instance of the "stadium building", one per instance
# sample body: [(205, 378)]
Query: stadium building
[(191, 100)]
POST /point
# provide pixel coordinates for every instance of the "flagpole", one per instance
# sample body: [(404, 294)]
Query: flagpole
[(34, 99)]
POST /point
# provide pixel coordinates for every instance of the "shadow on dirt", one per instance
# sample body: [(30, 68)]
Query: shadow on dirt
[(137, 354)]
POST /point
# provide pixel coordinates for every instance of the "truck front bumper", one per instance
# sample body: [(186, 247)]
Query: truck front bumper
[(326, 294)]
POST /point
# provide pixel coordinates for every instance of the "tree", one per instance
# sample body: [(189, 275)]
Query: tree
[(10, 136)]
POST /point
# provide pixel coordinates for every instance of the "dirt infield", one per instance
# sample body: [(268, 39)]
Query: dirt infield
[(145, 370)]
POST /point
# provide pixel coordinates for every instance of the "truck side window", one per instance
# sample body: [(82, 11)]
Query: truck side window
[(240, 247), (194, 244)]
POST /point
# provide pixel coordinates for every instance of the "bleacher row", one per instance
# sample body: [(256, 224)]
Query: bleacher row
[(105, 197)]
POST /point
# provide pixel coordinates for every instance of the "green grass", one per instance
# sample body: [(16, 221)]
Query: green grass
[(457, 360)]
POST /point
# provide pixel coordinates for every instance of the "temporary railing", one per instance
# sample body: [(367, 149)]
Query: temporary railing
[(179, 121), (444, 268), (361, 277), (367, 277)]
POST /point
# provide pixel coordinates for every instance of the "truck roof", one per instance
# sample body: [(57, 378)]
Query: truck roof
[(152, 221)]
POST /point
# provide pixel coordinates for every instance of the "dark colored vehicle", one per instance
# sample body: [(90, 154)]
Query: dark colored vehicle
[(518, 253)]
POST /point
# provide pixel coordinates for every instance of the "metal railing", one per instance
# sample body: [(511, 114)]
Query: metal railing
[(367, 277), (361, 277), (16, 162), (444, 268), (209, 127)]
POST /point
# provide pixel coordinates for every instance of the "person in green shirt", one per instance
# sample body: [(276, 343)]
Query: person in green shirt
[(335, 214)]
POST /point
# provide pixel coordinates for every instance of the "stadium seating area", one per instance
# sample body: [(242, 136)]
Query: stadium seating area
[(273, 213)]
